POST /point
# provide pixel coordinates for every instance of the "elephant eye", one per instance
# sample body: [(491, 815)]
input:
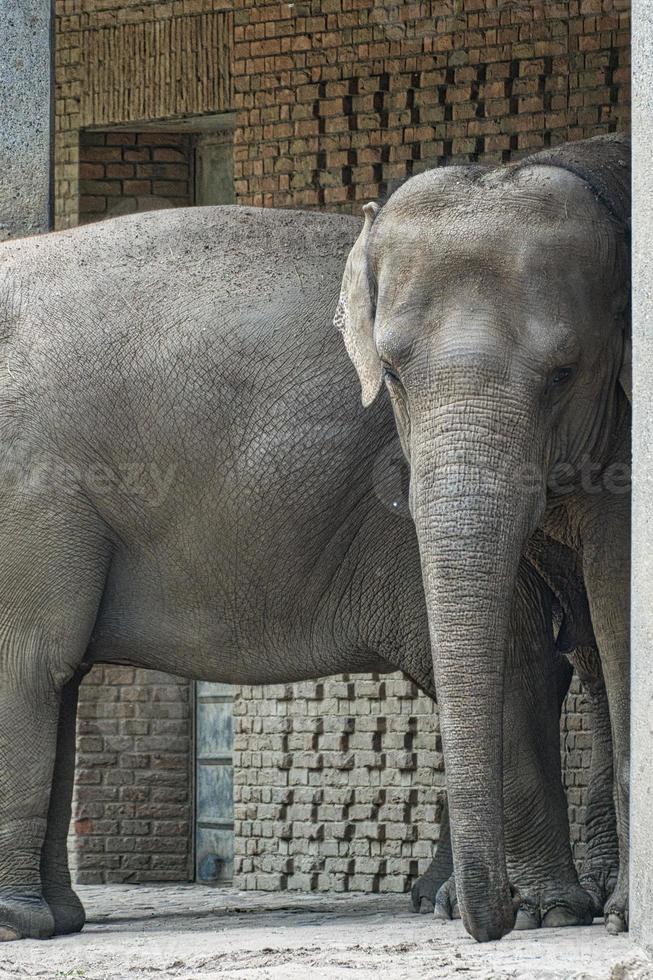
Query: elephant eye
[(560, 375), (389, 375)]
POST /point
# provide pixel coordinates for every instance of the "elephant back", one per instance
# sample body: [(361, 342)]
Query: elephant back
[(602, 162)]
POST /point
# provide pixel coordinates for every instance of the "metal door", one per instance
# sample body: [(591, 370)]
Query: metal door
[(214, 783)]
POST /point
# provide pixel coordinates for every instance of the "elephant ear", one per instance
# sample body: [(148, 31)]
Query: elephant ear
[(354, 316), (603, 163)]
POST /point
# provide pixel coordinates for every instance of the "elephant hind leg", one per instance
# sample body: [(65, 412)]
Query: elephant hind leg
[(29, 712), (66, 908), (52, 574)]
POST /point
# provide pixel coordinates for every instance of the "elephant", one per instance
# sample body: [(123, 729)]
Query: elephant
[(493, 305), (189, 482)]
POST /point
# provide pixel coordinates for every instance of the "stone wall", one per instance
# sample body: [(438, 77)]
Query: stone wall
[(339, 98), (132, 61), (132, 811), (339, 783), (641, 813), (25, 129)]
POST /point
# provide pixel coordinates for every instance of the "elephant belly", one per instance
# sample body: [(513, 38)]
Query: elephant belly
[(200, 626), (164, 634)]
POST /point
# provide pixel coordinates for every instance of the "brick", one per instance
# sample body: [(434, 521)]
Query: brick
[(169, 188), (166, 171), (91, 203), (121, 139), (91, 171), (102, 154), (137, 187), (168, 155), (109, 188), (141, 155)]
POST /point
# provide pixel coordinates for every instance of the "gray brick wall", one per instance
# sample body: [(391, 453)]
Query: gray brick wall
[(132, 812), (338, 784)]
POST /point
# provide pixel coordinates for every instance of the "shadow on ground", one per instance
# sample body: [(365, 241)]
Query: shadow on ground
[(192, 932)]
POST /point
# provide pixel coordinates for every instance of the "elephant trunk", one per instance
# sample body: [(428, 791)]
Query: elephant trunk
[(473, 517)]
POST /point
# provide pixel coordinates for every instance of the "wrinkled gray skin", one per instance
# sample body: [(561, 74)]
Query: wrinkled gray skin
[(435, 890), (495, 304), (190, 483)]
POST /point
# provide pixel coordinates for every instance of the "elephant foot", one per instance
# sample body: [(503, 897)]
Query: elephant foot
[(616, 910), (67, 910), (600, 883), (422, 899), (554, 906), (446, 901), (424, 892), (528, 915), (566, 905), (24, 914), (446, 908), (616, 921)]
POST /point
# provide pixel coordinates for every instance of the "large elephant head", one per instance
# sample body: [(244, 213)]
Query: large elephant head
[(494, 305)]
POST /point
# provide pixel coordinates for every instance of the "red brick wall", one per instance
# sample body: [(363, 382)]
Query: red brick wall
[(120, 173), (132, 814), (339, 98)]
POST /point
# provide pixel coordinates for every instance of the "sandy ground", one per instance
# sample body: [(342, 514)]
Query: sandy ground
[(192, 932)]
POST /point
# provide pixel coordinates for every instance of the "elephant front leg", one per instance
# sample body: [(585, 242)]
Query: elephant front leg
[(67, 909), (29, 711), (538, 850), (538, 847), (606, 566)]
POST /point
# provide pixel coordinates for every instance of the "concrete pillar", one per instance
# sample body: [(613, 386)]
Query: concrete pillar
[(641, 897), (25, 116)]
